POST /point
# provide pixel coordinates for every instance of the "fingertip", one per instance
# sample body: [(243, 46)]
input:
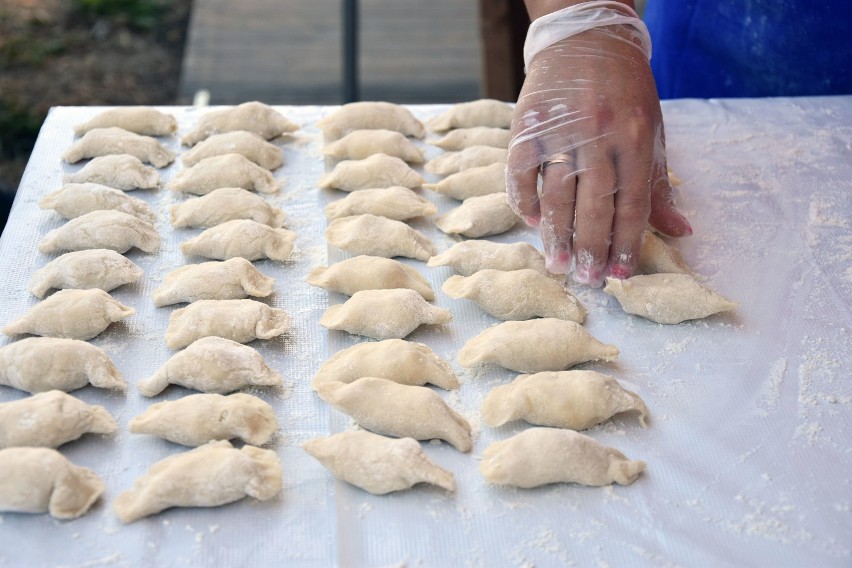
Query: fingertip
[(558, 262), (671, 223)]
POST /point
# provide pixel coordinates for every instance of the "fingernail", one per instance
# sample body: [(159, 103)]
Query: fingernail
[(532, 220), (558, 263), (586, 272), (620, 271)]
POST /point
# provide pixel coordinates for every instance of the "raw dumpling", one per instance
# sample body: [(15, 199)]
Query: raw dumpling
[(76, 199), (483, 112), (667, 298), (473, 157), (109, 141), (141, 120), (384, 314), (50, 419), (227, 170), (120, 171), (370, 115), (369, 273), (398, 203), (475, 136), (112, 230), (72, 314), (657, 257), (213, 365), (211, 475), (248, 144), (497, 292), (468, 257), (388, 408), (378, 170), (239, 320), (377, 464), (473, 182), (479, 217), (241, 238), (228, 280), (253, 116), (222, 205), (362, 144), (539, 456), (531, 346), (41, 480), (562, 399), (197, 419), (378, 236), (85, 269), (397, 360), (40, 364)]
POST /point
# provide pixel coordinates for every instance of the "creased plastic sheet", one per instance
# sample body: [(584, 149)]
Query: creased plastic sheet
[(748, 450)]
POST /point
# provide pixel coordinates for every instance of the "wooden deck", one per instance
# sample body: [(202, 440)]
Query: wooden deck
[(289, 51)]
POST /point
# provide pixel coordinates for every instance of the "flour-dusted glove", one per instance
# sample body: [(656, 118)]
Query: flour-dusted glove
[(588, 118)]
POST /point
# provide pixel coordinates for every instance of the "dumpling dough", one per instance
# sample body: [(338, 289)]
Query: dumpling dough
[(388, 408), (384, 314), (109, 141), (211, 475), (111, 230), (196, 419), (86, 269), (538, 456), (361, 144), (369, 115), (377, 464), (468, 257), (120, 171), (222, 205), (473, 182), (239, 320), (227, 170), (378, 236), (531, 346), (496, 292), (40, 364), (397, 360), (50, 419), (483, 112), (472, 157), (71, 314), (76, 199), (564, 399), (248, 144), (657, 257), (212, 365), (41, 480), (475, 136), (667, 298), (228, 280), (379, 170), (479, 217), (141, 120), (253, 116), (241, 238), (398, 203), (369, 273)]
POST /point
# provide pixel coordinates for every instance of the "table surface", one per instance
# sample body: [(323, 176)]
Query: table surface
[(748, 449)]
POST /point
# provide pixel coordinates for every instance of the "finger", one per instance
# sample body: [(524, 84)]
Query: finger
[(558, 194), (522, 191), (595, 209), (665, 216), (632, 207)]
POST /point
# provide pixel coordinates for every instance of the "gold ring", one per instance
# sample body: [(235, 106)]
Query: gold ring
[(558, 159)]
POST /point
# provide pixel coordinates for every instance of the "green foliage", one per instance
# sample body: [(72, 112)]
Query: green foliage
[(30, 50), (141, 14), (18, 130)]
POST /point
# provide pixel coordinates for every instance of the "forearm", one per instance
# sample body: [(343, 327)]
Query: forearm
[(538, 8)]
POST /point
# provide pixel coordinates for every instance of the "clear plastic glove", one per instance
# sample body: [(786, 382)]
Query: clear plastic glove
[(589, 120)]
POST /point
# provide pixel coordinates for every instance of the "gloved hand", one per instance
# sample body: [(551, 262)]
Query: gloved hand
[(588, 118)]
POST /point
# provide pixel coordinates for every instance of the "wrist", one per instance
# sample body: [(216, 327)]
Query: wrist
[(539, 8)]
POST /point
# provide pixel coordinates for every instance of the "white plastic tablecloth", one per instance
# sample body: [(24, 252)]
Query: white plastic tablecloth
[(748, 449)]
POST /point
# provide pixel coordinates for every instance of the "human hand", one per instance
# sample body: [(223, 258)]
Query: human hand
[(589, 120)]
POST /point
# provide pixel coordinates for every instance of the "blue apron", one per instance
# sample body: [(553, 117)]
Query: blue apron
[(750, 48)]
